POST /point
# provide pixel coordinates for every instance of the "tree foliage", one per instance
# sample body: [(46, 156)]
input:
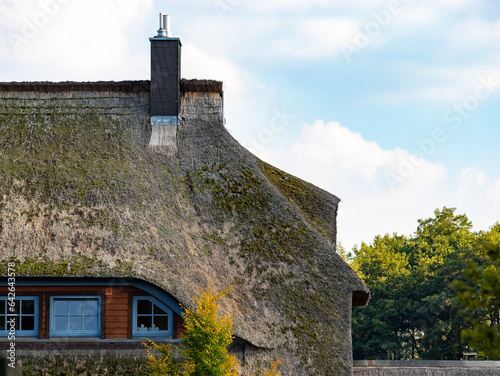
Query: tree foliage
[(164, 364), (208, 335), (480, 294), (414, 313)]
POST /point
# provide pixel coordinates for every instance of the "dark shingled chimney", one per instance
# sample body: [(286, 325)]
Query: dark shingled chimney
[(165, 76)]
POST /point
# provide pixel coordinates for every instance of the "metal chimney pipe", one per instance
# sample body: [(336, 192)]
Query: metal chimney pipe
[(166, 25), (161, 31)]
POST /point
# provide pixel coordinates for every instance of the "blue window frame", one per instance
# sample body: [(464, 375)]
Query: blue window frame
[(20, 314), (151, 318), (75, 316)]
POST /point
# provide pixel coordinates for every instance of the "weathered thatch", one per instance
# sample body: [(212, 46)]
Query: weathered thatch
[(82, 195), (201, 86), (192, 85), (69, 86)]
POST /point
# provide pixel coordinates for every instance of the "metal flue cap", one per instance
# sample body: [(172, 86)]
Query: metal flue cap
[(162, 33)]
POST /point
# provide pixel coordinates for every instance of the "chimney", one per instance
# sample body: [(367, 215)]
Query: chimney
[(165, 84)]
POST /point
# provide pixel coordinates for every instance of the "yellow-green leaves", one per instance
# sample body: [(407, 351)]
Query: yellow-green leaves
[(208, 336)]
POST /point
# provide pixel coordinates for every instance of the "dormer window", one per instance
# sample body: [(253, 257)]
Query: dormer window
[(19, 316), (98, 309), (75, 316), (151, 318)]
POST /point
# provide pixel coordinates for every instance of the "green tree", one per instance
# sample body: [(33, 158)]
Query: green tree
[(346, 256), (443, 246), (413, 313), (480, 296), (378, 330)]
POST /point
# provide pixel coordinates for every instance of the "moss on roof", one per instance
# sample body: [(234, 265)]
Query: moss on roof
[(82, 195)]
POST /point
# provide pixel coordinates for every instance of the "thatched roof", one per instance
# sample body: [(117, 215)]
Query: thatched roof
[(201, 86), (68, 86), (84, 196), (192, 85)]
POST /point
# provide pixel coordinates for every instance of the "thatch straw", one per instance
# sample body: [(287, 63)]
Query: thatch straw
[(68, 86), (201, 86)]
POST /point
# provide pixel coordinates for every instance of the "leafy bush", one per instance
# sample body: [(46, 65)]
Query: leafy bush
[(165, 364), (208, 334)]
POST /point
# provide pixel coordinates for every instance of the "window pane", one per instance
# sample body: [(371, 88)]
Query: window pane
[(13, 308), (90, 307), (144, 307), (2, 322), (28, 307), (90, 323), (61, 323), (2, 306), (60, 307), (160, 323), (76, 307), (158, 310), (28, 323), (144, 322), (76, 314), (76, 323)]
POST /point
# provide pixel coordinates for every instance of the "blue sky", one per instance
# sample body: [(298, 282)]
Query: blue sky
[(393, 106)]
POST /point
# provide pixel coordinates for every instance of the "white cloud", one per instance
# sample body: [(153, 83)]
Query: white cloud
[(494, 193), (479, 197), (359, 172), (200, 64), (460, 5), (353, 6), (76, 40), (475, 34), (242, 91), (318, 37), (276, 5), (418, 16)]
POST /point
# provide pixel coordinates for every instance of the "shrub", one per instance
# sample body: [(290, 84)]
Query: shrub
[(208, 334), (165, 365)]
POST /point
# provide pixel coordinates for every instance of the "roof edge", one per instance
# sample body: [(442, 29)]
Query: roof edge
[(186, 85), (68, 86)]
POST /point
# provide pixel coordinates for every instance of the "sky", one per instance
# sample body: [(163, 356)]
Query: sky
[(393, 106)]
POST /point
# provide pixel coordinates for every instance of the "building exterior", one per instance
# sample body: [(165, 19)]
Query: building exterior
[(121, 200)]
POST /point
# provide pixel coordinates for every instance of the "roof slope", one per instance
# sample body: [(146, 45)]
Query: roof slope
[(82, 195)]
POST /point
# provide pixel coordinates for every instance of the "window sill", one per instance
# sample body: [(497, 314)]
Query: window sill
[(84, 340)]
